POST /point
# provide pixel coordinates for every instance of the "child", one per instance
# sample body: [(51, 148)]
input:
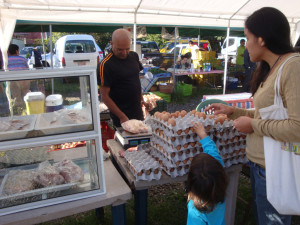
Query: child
[(207, 183)]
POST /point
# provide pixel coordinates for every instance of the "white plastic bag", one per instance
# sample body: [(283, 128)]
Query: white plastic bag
[(282, 164)]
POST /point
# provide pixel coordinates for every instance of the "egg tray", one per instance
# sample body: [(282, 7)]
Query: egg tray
[(183, 125), (168, 166), (226, 155), (176, 145), (230, 147), (180, 140), (142, 165), (179, 155), (235, 160)]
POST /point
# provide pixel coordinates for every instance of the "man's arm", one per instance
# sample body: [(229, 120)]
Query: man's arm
[(111, 105)]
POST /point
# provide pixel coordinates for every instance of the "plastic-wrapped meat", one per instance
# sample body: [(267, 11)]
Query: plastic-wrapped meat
[(48, 175), (18, 181), (135, 126), (70, 171)]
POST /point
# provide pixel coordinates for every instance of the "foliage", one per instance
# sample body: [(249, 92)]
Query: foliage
[(102, 39), (157, 38)]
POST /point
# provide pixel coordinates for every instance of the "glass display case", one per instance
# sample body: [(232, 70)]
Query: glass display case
[(50, 138)]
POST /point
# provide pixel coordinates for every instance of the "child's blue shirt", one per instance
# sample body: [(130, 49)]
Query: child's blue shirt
[(217, 216)]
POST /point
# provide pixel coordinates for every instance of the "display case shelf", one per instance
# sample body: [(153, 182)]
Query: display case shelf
[(34, 172)]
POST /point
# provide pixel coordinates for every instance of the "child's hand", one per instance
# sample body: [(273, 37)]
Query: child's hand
[(199, 129)]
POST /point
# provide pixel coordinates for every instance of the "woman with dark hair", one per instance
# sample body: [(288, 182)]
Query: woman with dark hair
[(269, 45)]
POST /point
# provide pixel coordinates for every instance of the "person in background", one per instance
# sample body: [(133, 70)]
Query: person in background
[(269, 50), (20, 88), (249, 68), (1, 60), (118, 78), (194, 51), (37, 58), (240, 56), (207, 183)]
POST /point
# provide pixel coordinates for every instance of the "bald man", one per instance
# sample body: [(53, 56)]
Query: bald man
[(119, 81)]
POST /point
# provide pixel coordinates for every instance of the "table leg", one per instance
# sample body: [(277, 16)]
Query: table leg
[(140, 205), (119, 214)]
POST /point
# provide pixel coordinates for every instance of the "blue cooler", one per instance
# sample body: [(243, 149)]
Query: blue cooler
[(54, 103)]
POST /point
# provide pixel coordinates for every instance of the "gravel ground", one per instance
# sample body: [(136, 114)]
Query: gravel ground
[(188, 106)]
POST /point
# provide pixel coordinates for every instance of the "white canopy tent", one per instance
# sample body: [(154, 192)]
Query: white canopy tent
[(188, 13)]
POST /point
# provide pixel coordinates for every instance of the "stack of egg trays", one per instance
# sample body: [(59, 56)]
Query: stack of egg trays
[(231, 143), (171, 168), (142, 165), (175, 147)]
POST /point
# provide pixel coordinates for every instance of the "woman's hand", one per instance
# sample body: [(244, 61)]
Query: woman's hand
[(243, 124), (219, 108)]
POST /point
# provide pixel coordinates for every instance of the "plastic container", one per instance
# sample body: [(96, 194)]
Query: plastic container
[(54, 102), (35, 103)]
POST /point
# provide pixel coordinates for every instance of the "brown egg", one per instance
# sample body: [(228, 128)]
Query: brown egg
[(172, 122), (193, 112), (165, 117), (211, 116), (183, 113), (174, 115), (202, 114), (177, 113), (163, 112), (178, 147), (222, 115), (187, 130), (179, 132), (156, 114), (220, 120)]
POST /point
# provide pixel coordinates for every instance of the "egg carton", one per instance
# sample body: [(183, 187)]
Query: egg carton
[(226, 155), (235, 160), (183, 125), (231, 147), (171, 168), (142, 165), (166, 147), (179, 140), (176, 145), (235, 139), (179, 155)]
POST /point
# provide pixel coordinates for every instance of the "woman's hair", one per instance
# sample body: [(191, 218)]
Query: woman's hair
[(12, 49), (207, 182), (273, 27)]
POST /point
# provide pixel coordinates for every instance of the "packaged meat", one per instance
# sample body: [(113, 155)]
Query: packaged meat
[(47, 175), (18, 181), (70, 171), (135, 126)]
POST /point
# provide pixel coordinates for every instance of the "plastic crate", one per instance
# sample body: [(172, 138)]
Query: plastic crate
[(159, 75), (145, 70), (166, 97), (166, 88), (107, 133), (184, 89)]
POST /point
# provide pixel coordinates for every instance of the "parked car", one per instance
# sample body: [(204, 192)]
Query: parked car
[(74, 50), (100, 52), (233, 44)]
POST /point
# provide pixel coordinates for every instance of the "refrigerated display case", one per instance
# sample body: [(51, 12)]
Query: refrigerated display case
[(49, 157)]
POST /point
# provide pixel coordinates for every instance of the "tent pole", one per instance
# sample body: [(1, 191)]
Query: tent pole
[(134, 33), (174, 77), (43, 43), (226, 58), (51, 56), (227, 41)]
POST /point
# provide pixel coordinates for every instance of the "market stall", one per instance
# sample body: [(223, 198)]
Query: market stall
[(166, 156), (51, 159)]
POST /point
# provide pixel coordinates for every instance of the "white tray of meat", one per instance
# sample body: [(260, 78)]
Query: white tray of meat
[(63, 121), (135, 126), (16, 127), (47, 178)]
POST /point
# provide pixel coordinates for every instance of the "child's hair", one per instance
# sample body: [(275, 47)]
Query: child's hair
[(207, 182)]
